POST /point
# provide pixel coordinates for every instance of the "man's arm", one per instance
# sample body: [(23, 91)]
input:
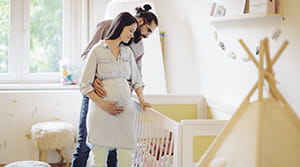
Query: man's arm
[(101, 31), (98, 88)]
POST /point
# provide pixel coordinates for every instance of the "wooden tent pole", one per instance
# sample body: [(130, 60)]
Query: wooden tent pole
[(269, 74), (248, 52), (271, 79), (260, 115), (251, 92), (278, 94), (267, 51), (283, 46), (256, 63), (261, 71)]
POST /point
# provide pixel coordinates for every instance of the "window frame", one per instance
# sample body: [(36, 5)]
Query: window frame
[(19, 37)]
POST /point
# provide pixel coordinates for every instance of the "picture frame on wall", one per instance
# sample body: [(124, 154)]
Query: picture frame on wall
[(228, 8), (264, 6), (220, 11)]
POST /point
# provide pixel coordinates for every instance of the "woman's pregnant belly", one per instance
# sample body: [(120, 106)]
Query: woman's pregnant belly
[(117, 90), (119, 130)]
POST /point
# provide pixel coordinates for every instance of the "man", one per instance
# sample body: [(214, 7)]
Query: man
[(147, 23)]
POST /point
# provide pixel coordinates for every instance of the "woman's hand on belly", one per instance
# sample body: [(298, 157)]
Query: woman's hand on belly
[(111, 107)]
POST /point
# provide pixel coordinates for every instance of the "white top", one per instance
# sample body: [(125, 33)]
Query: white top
[(105, 129), (102, 64)]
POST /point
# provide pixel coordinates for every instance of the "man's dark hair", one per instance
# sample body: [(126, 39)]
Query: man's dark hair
[(145, 14)]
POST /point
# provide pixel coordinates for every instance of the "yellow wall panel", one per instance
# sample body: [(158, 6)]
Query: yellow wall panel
[(178, 112), (201, 144)]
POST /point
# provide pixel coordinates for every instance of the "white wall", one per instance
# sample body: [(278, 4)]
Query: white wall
[(196, 64), (96, 13), (180, 52), (21, 109)]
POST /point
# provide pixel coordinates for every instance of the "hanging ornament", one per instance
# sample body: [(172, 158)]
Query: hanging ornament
[(222, 45), (276, 34)]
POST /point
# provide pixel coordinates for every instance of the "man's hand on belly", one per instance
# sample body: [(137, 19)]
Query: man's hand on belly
[(98, 88)]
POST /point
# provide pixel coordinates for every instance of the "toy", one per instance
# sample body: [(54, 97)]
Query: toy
[(68, 74)]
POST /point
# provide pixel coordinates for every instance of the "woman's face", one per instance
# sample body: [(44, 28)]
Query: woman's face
[(128, 32)]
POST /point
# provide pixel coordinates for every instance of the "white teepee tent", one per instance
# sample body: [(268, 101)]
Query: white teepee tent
[(264, 133)]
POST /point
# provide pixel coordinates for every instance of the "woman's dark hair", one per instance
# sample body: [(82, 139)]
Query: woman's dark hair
[(118, 24), (145, 14)]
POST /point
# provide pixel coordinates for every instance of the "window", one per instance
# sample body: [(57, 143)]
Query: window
[(4, 31), (34, 38), (46, 27)]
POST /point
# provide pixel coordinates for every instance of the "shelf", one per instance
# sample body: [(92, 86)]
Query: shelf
[(213, 20)]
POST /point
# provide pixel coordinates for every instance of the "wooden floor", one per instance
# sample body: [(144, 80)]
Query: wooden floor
[(52, 165)]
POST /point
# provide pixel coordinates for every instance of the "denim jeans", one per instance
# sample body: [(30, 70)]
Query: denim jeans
[(82, 151)]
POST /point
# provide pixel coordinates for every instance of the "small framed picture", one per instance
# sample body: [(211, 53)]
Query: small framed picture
[(263, 6)]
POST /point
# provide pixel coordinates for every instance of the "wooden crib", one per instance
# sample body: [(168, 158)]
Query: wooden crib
[(170, 135)]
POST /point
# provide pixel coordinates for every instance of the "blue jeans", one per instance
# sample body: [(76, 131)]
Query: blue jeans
[(82, 151)]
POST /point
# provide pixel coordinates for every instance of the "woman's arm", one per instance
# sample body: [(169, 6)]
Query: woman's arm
[(137, 82), (88, 73), (140, 95)]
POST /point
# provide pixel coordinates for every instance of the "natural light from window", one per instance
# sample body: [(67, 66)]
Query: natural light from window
[(46, 22), (4, 35)]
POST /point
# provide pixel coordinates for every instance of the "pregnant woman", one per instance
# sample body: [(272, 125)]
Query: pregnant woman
[(111, 119)]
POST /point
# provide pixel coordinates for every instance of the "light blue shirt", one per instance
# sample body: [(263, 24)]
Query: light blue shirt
[(102, 64)]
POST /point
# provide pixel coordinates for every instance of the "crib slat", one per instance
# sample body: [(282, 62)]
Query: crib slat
[(155, 141)]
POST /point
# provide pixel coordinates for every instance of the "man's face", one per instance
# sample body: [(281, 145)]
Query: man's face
[(147, 29)]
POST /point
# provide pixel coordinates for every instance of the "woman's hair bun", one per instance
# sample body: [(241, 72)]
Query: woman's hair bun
[(147, 7)]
